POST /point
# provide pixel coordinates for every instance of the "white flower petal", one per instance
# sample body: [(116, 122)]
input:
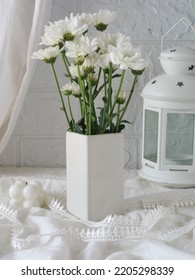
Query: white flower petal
[(46, 54), (82, 46), (104, 16)]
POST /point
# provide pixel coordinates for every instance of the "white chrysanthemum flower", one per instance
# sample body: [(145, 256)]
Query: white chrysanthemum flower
[(93, 78), (139, 64), (90, 63), (81, 47), (123, 39), (125, 56), (64, 30), (48, 55), (72, 27), (71, 88), (104, 60), (86, 18), (107, 39), (74, 71), (104, 40), (52, 36), (135, 61), (102, 19)]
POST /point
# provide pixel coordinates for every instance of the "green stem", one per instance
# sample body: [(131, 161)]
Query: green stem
[(105, 104), (70, 111), (82, 87), (66, 63), (60, 94), (90, 104), (108, 95), (109, 87), (118, 119), (118, 91), (99, 75), (65, 57), (129, 98), (81, 107), (105, 88)]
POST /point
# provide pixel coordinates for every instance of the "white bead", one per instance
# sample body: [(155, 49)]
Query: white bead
[(21, 182), (41, 201), (16, 203), (37, 185), (32, 191), (30, 203), (16, 190)]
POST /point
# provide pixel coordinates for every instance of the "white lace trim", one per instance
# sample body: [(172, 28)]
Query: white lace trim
[(114, 228), (150, 211)]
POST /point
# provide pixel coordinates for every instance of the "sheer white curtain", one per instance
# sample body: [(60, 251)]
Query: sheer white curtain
[(21, 25)]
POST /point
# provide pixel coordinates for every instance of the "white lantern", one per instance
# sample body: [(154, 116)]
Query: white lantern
[(168, 151)]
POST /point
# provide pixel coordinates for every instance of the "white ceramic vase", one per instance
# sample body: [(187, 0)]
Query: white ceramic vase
[(95, 175)]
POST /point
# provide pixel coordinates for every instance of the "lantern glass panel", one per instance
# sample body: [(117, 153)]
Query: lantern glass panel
[(179, 139), (151, 135)]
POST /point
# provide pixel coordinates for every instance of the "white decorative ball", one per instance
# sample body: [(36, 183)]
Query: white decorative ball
[(33, 190), (31, 203), (41, 201), (16, 203), (16, 190), (37, 185), (26, 195)]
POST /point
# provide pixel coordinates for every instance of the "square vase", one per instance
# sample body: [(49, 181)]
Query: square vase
[(95, 175)]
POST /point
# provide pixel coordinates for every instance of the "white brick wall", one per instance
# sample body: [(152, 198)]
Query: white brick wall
[(39, 136)]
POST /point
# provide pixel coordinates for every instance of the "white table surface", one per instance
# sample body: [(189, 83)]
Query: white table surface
[(158, 222)]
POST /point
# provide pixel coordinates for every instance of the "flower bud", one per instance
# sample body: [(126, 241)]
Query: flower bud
[(76, 94), (71, 88), (121, 97), (93, 79), (47, 55), (89, 69), (50, 60), (78, 60), (67, 92)]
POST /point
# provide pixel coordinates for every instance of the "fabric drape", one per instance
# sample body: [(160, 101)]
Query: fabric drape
[(21, 25)]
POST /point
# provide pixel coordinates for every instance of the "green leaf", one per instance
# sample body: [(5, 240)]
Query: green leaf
[(80, 126), (125, 121), (101, 118), (116, 76), (112, 128), (110, 118), (121, 127), (78, 129), (105, 99)]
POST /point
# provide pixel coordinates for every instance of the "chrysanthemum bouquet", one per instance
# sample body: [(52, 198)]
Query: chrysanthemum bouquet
[(92, 66)]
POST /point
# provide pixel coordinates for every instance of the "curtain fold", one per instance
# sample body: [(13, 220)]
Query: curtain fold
[(21, 25)]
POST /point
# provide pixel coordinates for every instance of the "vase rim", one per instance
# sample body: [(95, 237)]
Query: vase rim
[(103, 134)]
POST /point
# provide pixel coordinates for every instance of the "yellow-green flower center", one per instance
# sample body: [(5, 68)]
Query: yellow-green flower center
[(101, 26), (68, 36)]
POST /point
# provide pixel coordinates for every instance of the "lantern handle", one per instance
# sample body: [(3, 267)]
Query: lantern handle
[(183, 18)]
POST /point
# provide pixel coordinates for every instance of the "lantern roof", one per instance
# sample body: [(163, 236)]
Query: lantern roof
[(178, 82), (178, 61), (175, 88), (178, 53)]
